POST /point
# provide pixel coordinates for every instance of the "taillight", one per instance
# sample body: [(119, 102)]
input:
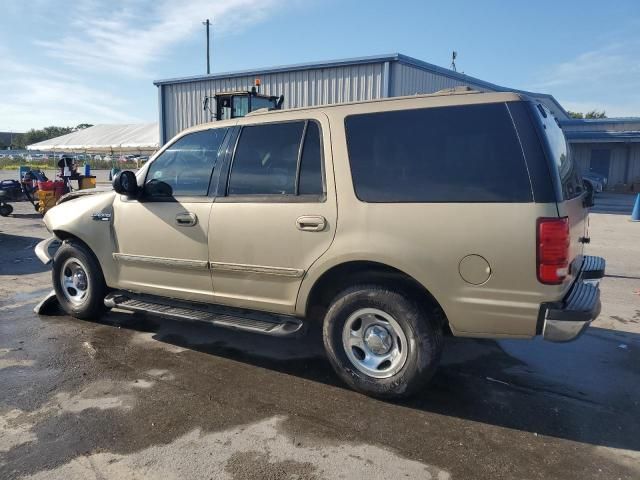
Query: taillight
[(553, 250)]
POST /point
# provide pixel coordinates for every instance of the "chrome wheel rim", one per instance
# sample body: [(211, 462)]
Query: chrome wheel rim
[(74, 281), (374, 343)]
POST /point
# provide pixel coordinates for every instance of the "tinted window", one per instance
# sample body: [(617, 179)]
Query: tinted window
[(240, 106), (449, 154), (570, 177), (310, 182), (184, 169), (266, 160), (258, 102)]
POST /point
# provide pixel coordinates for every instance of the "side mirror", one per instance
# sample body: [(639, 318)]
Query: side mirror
[(125, 183)]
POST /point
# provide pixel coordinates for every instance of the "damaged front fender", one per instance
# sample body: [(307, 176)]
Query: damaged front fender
[(43, 250)]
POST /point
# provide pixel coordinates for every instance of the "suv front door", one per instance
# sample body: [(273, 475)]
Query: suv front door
[(275, 213), (161, 237)]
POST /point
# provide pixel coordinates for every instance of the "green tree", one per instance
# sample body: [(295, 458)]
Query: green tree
[(35, 136), (82, 126), (593, 114)]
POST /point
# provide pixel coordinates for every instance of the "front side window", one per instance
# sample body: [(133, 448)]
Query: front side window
[(447, 154), (185, 168), (277, 159)]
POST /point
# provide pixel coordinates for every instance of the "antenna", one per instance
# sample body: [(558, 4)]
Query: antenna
[(454, 55), (207, 23)]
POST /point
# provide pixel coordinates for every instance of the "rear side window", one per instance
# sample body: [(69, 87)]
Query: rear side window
[(448, 154), (266, 160), (570, 177), (278, 159)]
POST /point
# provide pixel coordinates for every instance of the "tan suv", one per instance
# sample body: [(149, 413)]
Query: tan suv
[(392, 222)]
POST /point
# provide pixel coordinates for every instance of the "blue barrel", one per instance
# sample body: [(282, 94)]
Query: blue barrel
[(23, 169), (635, 214), (87, 169)]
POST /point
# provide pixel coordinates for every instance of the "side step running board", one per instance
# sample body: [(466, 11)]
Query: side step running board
[(238, 319)]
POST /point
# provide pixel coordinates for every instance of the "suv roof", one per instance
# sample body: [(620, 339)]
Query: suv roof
[(475, 97)]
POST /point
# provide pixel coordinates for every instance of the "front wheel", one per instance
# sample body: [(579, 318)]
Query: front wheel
[(78, 281), (381, 342)]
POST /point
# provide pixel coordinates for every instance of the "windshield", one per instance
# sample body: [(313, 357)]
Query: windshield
[(570, 179)]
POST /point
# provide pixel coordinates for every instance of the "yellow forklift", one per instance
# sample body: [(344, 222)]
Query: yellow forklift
[(226, 105)]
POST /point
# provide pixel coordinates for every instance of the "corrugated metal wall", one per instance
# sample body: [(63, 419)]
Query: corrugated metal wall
[(609, 125), (621, 154), (409, 80), (182, 102)]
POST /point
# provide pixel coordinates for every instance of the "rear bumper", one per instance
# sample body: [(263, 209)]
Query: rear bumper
[(568, 318)]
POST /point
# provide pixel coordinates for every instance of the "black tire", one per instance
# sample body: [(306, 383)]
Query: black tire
[(422, 331), (92, 306), (6, 210)]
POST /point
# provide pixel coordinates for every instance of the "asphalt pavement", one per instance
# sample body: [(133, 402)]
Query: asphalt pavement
[(131, 396)]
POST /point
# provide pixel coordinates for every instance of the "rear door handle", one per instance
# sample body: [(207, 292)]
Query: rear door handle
[(311, 223), (186, 219)]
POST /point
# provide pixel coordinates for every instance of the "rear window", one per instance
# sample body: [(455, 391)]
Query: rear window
[(449, 154), (570, 177)]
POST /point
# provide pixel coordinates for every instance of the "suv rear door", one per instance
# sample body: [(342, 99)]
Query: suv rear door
[(570, 190), (275, 212)]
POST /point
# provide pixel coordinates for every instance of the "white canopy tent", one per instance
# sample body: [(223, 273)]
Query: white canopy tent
[(113, 139)]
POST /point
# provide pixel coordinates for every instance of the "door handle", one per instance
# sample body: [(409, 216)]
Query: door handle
[(311, 223), (186, 219)]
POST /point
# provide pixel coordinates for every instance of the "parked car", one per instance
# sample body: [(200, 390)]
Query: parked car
[(390, 222), (594, 182)]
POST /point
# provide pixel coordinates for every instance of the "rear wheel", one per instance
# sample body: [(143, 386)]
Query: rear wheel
[(5, 210), (78, 281), (381, 342)]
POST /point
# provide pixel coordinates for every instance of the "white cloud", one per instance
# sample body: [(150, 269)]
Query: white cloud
[(33, 97), (129, 36), (602, 79), (615, 61), (104, 48)]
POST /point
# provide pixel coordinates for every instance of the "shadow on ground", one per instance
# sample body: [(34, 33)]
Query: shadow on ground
[(585, 391), (19, 256), (613, 203)]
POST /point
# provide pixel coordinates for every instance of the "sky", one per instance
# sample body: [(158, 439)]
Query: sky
[(91, 61)]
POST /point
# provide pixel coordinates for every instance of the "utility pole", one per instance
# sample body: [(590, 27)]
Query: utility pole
[(207, 23)]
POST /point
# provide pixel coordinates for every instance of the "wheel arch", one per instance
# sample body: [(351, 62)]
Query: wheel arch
[(343, 275), (67, 236)]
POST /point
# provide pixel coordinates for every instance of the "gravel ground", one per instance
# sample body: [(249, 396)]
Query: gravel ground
[(139, 397)]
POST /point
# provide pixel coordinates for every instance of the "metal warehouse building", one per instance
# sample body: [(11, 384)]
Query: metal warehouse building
[(180, 101)]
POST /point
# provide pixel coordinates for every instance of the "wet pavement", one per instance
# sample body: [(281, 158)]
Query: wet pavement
[(132, 396)]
